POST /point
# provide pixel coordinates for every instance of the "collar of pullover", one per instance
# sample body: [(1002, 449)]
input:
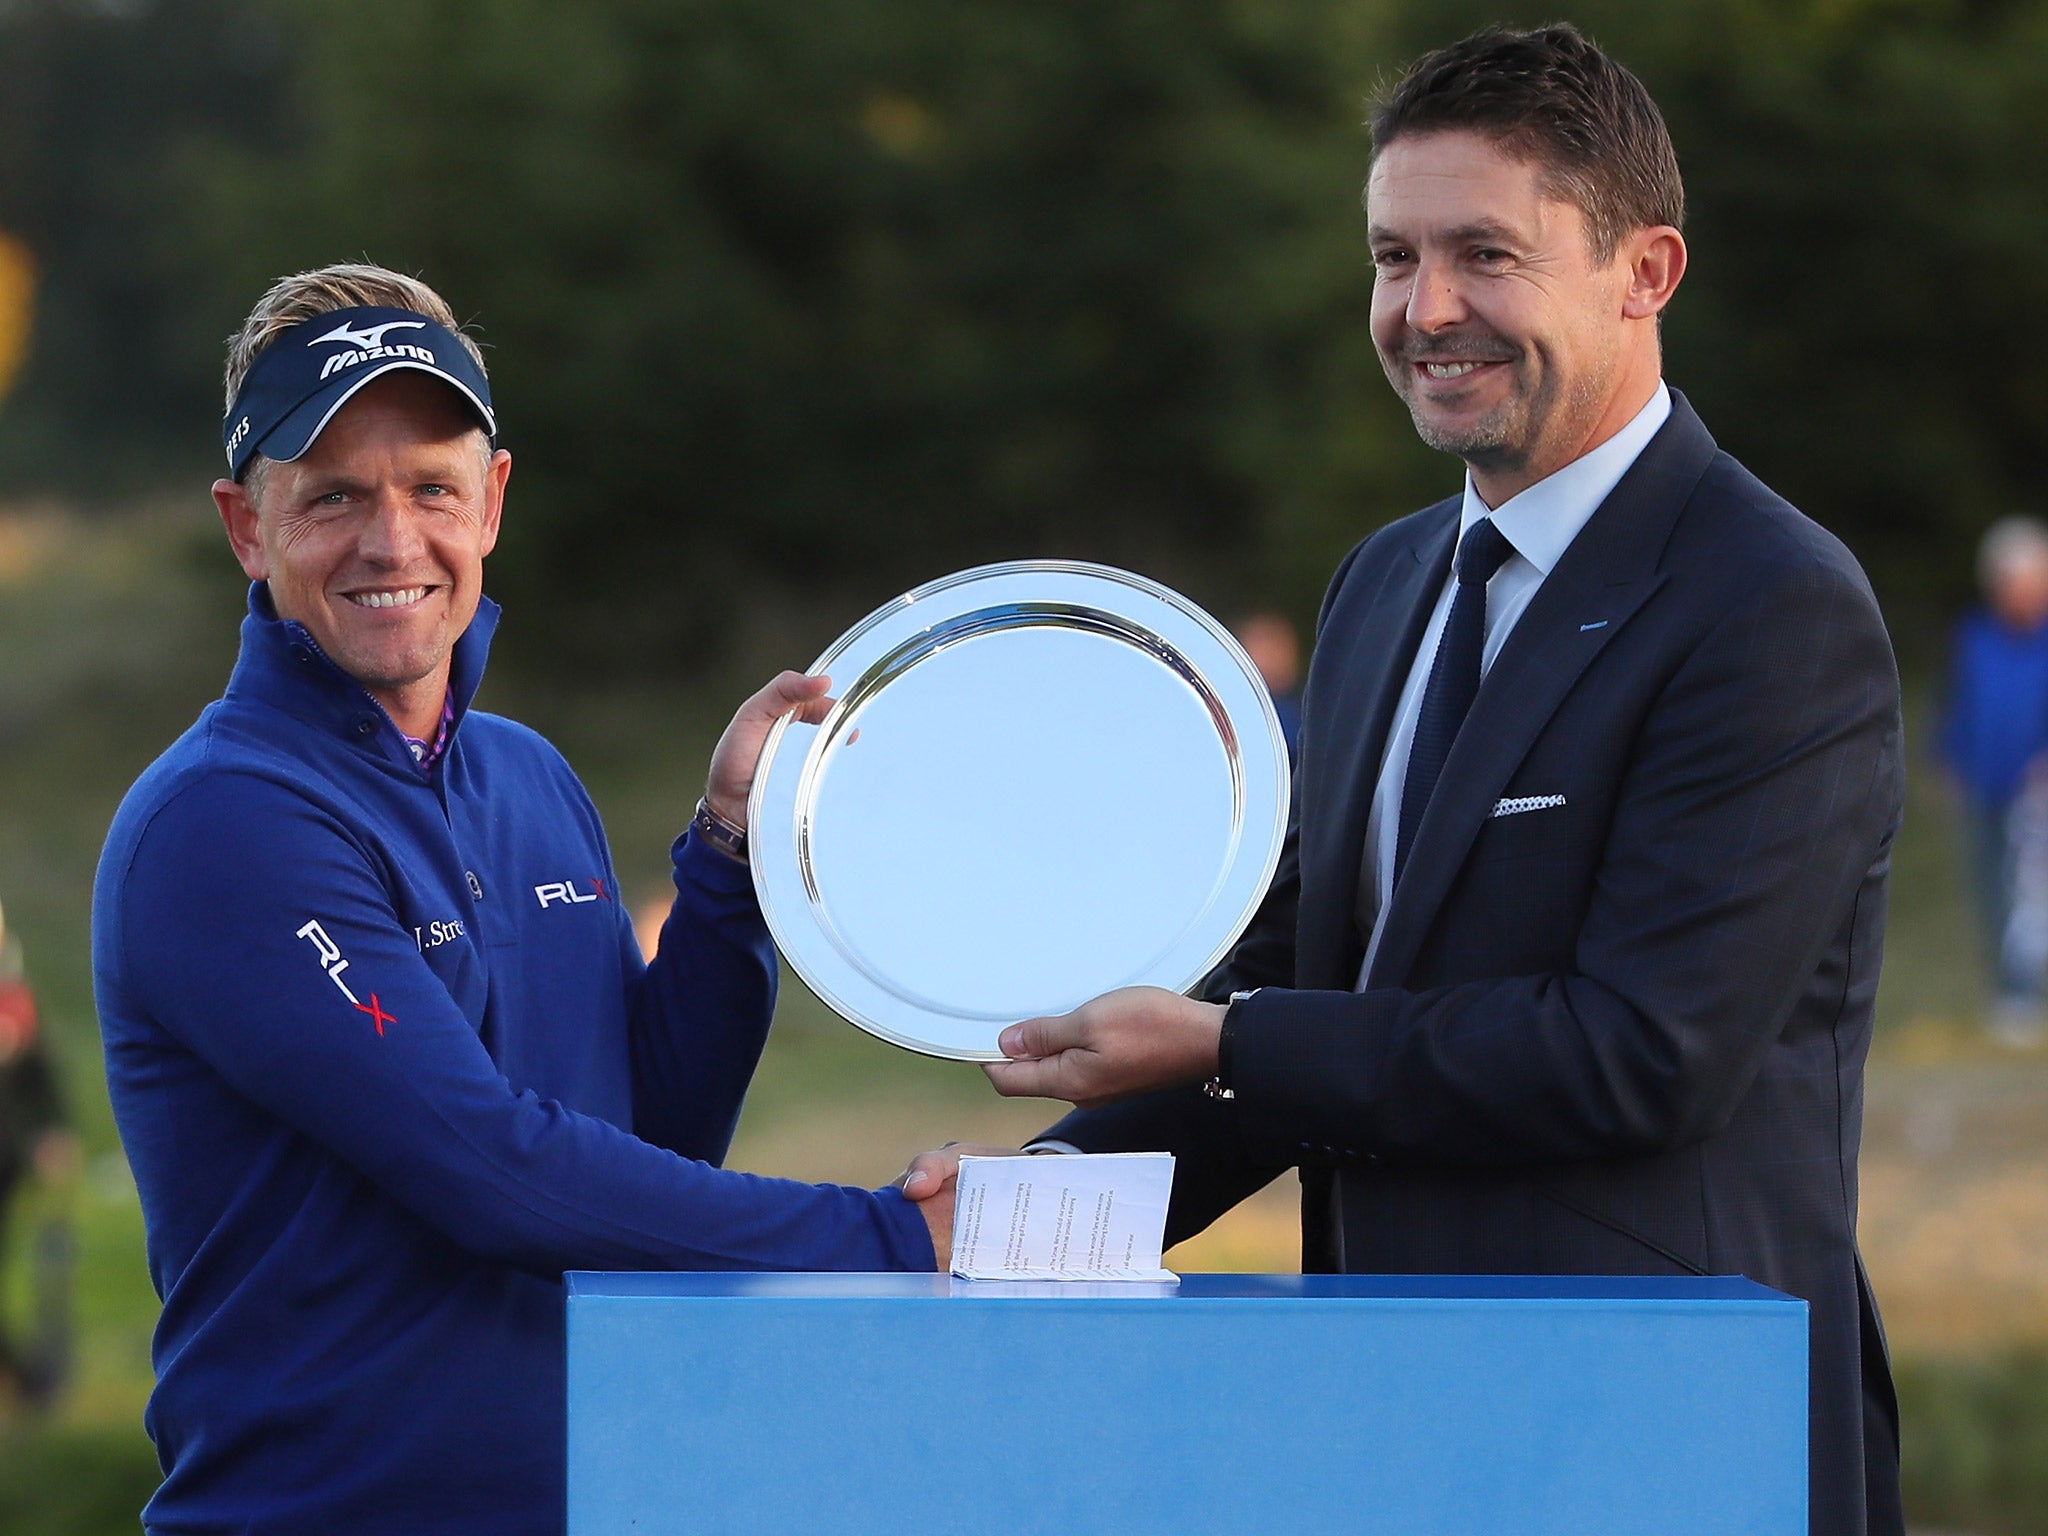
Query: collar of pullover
[(282, 665)]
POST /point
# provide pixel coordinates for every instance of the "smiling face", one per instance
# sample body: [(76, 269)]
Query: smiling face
[(375, 539), (1511, 343)]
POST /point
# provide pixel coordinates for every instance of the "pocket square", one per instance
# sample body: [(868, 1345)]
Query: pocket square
[(1515, 807)]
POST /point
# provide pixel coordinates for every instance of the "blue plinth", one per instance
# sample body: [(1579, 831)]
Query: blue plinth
[(830, 1405)]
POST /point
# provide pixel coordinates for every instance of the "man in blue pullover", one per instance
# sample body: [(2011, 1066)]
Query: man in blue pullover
[(382, 1049)]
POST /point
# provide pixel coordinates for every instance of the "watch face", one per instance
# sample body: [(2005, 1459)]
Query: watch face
[(1042, 780)]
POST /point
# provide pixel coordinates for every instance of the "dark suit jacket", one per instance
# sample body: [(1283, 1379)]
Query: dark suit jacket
[(1624, 1035)]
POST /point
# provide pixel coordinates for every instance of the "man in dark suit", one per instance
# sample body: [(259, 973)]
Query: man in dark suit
[(1570, 961)]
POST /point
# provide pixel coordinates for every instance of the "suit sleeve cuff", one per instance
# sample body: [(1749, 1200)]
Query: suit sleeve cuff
[(1288, 1049)]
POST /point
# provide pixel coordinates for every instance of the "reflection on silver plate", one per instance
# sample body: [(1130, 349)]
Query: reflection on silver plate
[(1042, 780)]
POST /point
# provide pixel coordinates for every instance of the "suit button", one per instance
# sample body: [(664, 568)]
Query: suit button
[(1373, 1160), (365, 726)]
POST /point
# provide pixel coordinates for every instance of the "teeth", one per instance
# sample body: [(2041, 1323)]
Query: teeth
[(387, 599), (1448, 370)]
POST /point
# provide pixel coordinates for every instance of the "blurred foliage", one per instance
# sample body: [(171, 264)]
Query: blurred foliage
[(1976, 1447), (74, 1482), (108, 109), (793, 305)]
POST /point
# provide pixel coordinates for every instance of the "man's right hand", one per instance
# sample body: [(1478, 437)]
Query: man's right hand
[(932, 1180), (738, 752)]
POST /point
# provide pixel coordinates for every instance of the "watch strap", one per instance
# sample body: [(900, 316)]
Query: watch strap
[(721, 834)]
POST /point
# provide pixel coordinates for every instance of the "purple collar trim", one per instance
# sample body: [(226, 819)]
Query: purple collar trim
[(427, 753)]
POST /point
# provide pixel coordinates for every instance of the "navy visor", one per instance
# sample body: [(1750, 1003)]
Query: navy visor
[(309, 372)]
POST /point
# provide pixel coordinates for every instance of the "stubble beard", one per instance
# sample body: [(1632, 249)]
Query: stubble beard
[(1510, 436), (1498, 441)]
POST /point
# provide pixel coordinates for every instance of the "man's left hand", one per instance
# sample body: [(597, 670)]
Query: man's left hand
[(739, 750), (1125, 1042)]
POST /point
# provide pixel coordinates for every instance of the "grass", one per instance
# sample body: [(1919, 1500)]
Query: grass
[(115, 631)]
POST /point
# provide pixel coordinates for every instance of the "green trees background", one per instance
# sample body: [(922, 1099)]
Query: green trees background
[(793, 304)]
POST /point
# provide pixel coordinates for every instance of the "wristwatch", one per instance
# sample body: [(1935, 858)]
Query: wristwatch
[(718, 832), (1219, 1086)]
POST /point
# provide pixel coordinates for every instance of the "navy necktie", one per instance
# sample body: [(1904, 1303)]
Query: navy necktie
[(1453, 678)]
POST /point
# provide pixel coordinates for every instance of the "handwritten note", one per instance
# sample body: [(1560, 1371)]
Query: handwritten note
[(1087, 1216)]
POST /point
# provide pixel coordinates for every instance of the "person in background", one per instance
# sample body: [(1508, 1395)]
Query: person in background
[(1269, 639), (33, 1139), (1994, 741)]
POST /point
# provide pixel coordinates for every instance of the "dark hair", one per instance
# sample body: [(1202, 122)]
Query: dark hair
[(1551, 97)]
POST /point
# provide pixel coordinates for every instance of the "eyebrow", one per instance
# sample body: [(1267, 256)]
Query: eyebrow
[(351, 485), (1478, 231), (328, 484)]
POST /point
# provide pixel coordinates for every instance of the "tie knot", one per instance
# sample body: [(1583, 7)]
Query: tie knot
[(1482, 551)]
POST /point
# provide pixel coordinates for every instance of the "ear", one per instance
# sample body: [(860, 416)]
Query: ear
[(1656, 263), (496, 473), (238, 515)]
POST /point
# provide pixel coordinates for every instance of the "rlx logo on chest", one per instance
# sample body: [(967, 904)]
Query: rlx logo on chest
[(565, 890)]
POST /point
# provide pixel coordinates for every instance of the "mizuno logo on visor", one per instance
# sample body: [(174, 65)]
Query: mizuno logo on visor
[(368, 343)]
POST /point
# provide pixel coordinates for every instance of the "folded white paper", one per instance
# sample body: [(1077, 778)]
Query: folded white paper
[(1074, 1216)]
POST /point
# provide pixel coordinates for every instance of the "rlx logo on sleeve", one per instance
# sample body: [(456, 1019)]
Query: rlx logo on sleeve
[(565, 890), (333, 964)]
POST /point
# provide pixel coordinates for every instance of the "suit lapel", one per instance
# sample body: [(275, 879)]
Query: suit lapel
[(1363, 675), (1537, 667), (1604, 578)]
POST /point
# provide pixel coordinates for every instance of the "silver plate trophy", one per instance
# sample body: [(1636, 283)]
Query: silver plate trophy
[(1043, 780)]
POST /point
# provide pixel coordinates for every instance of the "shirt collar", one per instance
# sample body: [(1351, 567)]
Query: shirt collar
[(1542, 520), (282, 664)]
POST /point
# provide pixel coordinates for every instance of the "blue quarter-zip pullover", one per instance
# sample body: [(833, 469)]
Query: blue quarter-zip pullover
[(386, 1062)]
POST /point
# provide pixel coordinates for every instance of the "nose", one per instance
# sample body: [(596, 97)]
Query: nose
[(391, 537), (1435, 302)]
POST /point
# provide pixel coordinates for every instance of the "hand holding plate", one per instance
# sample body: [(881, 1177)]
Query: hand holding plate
[(738, 752), (1130, 1041)]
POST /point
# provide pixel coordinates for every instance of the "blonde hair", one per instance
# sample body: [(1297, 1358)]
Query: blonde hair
[(347, 285)]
